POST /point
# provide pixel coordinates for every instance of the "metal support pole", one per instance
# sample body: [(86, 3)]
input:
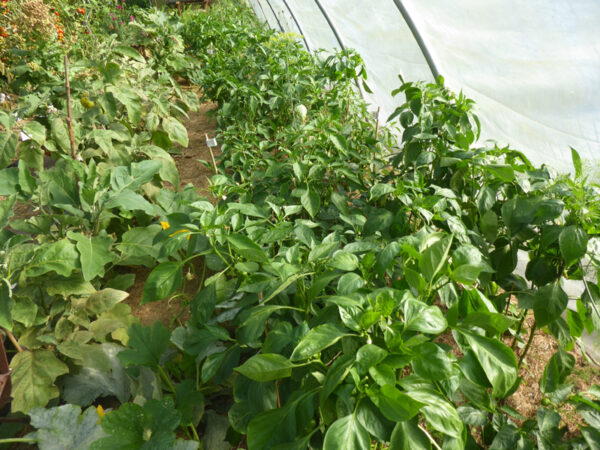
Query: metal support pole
[(276, 18), (295, 19), (418, 38), (338, 37), (262, 10)]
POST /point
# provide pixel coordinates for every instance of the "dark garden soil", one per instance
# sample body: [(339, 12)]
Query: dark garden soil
[(528, 398), (194, 163)]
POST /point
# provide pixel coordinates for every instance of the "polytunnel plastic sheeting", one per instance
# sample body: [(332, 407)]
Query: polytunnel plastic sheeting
[(286, 19), (257, 11), (270, 17), (284, 16), (314, 25), (384, 41), (532, 67)]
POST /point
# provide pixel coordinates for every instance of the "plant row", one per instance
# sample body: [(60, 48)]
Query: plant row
[(79, 212), (363, 288), (358, 282)]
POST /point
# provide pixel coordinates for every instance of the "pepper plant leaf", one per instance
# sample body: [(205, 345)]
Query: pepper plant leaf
[(276, 426), (434, 257), (311, 202), (408, 436), (317, 339), (550, 302), (573, 243), (346, 433), (163, 281), (558, 368), (497, 360), (247, 248), (394, 404), (418, 316), (266, 367)]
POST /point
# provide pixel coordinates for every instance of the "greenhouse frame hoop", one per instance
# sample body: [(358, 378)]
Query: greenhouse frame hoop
[(308, 47), (276, 16), (261, 10), (418, 38), (338, 37)]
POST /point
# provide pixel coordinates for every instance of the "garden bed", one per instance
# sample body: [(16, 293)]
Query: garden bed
[(338, 283)]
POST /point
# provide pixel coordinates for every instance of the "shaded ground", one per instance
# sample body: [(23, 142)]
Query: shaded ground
[(191, 170), (528, 397)]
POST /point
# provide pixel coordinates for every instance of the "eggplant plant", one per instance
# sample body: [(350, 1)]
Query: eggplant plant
[(62, 276)]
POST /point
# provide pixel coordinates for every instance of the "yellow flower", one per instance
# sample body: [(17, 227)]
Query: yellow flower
[(166, 225), (100, 411)]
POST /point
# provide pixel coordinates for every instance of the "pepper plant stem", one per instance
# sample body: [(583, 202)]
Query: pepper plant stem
[(512, 346), (529, 341)]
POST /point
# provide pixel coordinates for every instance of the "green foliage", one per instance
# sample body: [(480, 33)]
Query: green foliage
[(342, 268), (65, 427), (34, 374), (366, 255), (147, 345), (132, 426), (91, 213)]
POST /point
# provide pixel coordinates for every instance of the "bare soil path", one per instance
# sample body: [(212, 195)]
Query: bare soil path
[(194, 167)]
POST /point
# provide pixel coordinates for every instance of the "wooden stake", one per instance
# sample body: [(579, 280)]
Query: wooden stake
[(69, 115), (212, 156), (377, 124)]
